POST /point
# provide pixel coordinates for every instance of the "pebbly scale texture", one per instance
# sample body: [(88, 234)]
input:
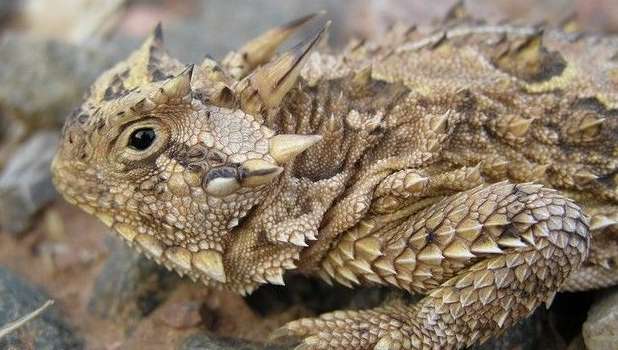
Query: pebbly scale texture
[(473, 164)]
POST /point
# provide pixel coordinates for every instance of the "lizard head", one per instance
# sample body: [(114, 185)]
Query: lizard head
[(173, 157)]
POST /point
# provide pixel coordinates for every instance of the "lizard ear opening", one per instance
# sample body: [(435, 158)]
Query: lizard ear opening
[(266, 87)]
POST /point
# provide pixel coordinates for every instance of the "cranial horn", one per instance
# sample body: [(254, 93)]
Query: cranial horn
[(258, 172), (175, 87), (142, 62), (157, 35), (261, 49), (287, 146), (180, 85), (153, 41), (267, 85)]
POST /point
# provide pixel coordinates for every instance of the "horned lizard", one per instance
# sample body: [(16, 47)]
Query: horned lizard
[(474, 164)]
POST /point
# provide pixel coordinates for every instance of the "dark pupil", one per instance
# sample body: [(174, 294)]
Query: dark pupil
[(142, 138)]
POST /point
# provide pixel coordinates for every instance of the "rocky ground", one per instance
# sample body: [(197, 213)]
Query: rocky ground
[(109, 298)]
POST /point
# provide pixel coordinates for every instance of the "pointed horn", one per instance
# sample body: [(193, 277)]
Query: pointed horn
[(285, 147), (210, 263), (267, 85), (144, 105), (457, 12), (222, 96), (262, 48), (157, 35), (154, 40), (180, 85), (139, 67), (258, 172)]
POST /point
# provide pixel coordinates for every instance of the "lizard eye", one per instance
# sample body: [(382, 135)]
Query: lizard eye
[(141, 139)]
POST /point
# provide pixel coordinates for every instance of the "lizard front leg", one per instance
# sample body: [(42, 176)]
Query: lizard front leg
[(600, 270), (486, 258)]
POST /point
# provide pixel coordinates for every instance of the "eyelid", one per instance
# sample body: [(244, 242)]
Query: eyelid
[(126, 153)]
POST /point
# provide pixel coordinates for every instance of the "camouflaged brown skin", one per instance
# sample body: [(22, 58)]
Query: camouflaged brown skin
[(475, 165)]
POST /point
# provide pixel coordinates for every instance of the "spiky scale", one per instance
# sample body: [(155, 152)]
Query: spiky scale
[(149, 244), (485, 245), (285, 147), (431, 254), (210, 263), (406, 260), (511, 242), (179, 256), (361, 266), (275, 278), (369, 247), (458, 250), (385, 265)]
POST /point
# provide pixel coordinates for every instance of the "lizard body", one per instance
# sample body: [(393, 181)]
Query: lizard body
[(472, 164)]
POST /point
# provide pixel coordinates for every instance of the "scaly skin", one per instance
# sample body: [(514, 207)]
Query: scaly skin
[(473, 166)]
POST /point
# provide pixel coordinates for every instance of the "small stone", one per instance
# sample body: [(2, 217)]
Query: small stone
[(25, 182), (8, 9), (207, 341), (48, 331), (67, 70), (600, 330), (129, 286), (180, 315)]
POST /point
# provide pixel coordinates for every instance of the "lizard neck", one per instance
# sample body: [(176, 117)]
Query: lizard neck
[(350, 114), (271, 238), (290, 220)]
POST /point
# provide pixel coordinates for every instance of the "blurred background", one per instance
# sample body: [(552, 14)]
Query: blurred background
[(107, 297)]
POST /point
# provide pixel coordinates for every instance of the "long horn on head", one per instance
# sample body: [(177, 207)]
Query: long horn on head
[(180, 85), (261, 49), (149, 57), (154, 41), (177, 88), (267, 85)]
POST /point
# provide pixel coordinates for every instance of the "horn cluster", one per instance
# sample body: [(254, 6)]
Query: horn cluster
[(261, 88)]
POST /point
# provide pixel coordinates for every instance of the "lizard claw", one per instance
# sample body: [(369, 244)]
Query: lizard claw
[(310, 343), (279, 333), (346, 330)]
